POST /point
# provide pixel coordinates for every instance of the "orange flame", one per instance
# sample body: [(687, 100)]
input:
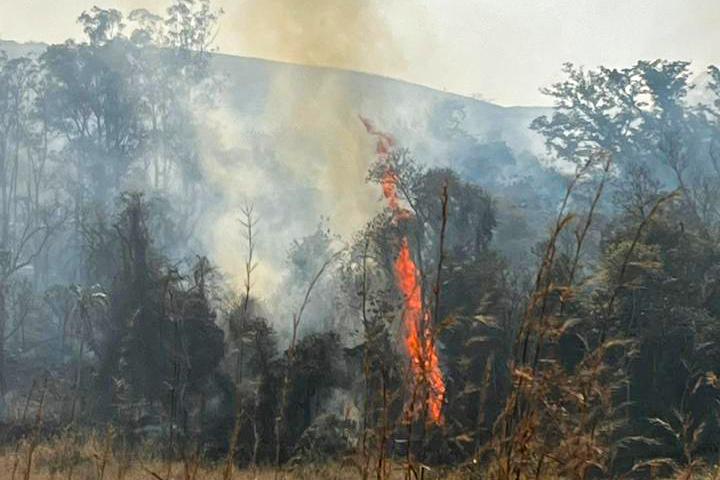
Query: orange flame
[(389, 186), (385, 141), (419, 341)]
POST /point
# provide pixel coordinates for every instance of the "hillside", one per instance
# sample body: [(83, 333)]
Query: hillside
[(282, 135), (248, 83)]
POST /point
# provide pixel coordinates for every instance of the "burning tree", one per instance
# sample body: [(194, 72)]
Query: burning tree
[(419, 335)]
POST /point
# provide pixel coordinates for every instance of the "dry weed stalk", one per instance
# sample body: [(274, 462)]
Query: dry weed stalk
[(285, 385), (558, 421), (102, 457), (517, 423), (16, 451), (35, 438), (365, 453), (373, 460), (191, 464), (248, 222)]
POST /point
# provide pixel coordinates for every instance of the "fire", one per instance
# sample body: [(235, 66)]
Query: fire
[(389, 187), (385, 141), (419, 339)]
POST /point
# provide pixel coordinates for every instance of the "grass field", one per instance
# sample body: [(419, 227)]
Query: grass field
[(53, 464)]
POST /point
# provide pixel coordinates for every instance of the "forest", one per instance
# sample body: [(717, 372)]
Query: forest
[(448, 336)]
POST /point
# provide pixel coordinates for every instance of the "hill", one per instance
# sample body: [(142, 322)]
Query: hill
[(288, 138)]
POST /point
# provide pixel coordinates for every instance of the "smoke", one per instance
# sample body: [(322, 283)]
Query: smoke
[(349, 34), (302, 154)]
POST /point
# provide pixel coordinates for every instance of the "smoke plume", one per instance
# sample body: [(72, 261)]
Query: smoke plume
[(303, 155)]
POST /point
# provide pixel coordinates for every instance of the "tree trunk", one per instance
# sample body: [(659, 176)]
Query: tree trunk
[(5, 206), (3, 323)]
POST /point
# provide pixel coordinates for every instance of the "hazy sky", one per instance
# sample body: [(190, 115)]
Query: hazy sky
[(503, 50)]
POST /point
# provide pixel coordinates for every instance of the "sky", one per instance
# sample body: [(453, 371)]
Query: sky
[(503, 51)]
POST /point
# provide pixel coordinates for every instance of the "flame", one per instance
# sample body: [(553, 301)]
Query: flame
[(419, 339), (389, 187)]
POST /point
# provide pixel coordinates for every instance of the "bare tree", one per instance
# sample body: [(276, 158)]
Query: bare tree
[(248, 221), (285, 386), (32, 241)]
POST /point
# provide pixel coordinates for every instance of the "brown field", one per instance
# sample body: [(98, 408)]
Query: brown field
[(56, 462), (59, 461)]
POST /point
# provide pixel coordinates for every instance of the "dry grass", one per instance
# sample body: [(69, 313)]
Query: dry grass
[(46, 467), (102, 456), (90, 461), (136, 472)]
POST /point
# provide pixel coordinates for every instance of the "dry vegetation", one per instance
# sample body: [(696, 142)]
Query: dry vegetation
[(64, 459), (417, 349)]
